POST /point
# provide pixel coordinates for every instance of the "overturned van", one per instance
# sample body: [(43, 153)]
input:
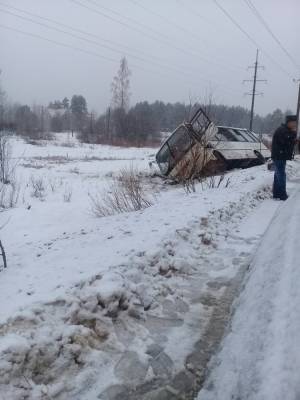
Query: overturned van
[(201, 147)]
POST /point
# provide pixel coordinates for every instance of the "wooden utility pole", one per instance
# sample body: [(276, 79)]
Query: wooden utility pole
[(254, 93)]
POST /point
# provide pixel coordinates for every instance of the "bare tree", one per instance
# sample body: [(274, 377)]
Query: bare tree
[(9, 187), (2, 250), (6, 167), (207, 102), (2, 101), (120, 86), (43, 121)]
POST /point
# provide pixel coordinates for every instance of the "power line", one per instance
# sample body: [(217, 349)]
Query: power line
[(97, 11), (61, 31), (172, 23), (165, 67), (79, 49), (195, 13), (165, 19), (59, 43), (92, 41), (163, 39), (78, 30), (143, 26), (253, 41), (34, 35), (267, 27), (235, 23), (64, 44), (149, 57)]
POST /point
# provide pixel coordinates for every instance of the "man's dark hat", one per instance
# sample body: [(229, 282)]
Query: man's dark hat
[(290, 118)]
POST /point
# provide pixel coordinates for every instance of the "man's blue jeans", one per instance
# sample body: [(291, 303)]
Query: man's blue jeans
[(279, 185)]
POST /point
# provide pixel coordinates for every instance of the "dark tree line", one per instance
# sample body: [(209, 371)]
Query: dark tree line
[(121, 124), (144, 122), (140, 124), (38, 122)]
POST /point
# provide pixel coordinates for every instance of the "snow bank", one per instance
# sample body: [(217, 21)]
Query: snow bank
[(260, 356)]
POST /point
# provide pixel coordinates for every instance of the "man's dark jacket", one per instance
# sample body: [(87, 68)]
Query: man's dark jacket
[(283, 143)]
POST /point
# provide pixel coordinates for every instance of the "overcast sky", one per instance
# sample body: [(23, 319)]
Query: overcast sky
[(176, 50)]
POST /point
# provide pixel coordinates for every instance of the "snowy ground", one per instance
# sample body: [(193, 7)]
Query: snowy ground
[(114, 308), (260, 356)]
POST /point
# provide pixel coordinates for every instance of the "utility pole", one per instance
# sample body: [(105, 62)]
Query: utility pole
[(91, 123), (107, 121), (298, 108), (254, 93), (42, 122)]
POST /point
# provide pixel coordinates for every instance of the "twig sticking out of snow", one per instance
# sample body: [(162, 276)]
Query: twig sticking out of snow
[(3, 255), (126, 193)]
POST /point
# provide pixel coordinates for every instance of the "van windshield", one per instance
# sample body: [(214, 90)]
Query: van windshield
[(174, 149)]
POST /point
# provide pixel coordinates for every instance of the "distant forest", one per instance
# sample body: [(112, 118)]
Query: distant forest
[(141, 124)]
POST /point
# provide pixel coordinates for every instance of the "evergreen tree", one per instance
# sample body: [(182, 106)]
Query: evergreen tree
[(79, 112)]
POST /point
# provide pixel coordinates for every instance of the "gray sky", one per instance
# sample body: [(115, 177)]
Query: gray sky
[(176, 50)]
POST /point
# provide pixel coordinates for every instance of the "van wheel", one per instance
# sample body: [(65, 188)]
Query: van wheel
[(260, 157)]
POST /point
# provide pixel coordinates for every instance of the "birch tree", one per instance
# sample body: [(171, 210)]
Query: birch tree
[(120, 86)]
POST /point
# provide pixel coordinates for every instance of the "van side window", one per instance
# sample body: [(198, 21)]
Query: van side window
[(226, 135), (240, 136)]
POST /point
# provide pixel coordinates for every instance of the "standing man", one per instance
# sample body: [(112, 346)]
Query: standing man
[(283, 143)]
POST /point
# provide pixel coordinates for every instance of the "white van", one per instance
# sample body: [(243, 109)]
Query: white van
[(200, 145)]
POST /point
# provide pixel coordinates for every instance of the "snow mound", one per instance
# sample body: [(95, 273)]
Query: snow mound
[(260, 356), (53, 339)]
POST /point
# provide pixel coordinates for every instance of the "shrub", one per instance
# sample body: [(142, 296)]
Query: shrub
[(126, 193), (67, 194), (38, 187)]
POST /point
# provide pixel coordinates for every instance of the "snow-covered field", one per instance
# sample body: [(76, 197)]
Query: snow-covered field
[(114, 307)]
